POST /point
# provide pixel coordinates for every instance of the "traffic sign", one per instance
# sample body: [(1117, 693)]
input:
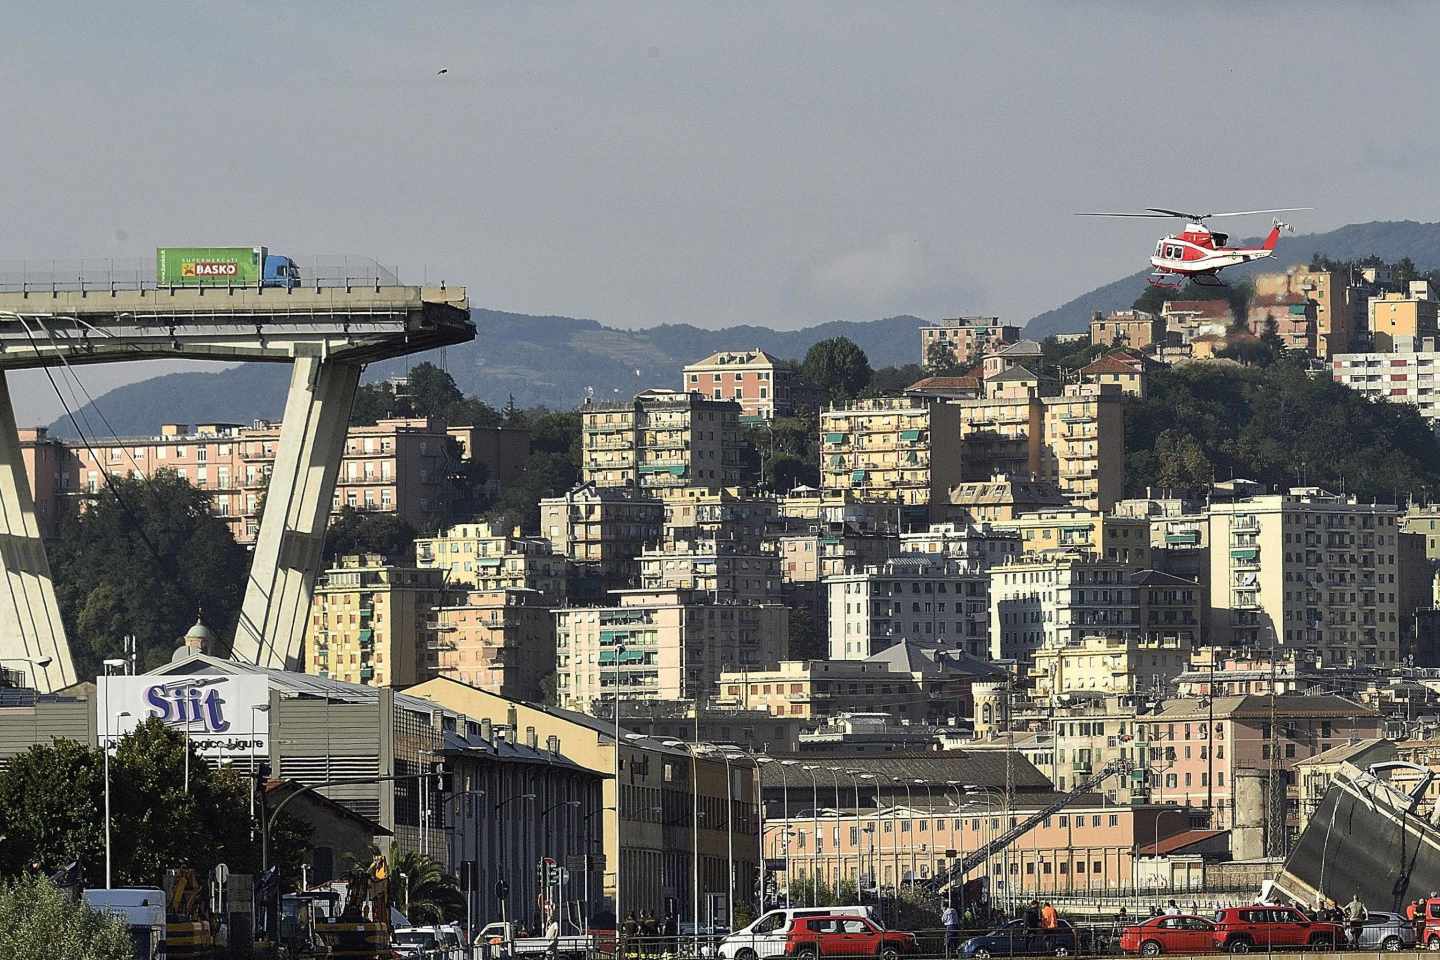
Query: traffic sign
[(502, 890)]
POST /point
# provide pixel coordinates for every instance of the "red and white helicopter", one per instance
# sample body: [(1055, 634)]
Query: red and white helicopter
[(1196, 254)]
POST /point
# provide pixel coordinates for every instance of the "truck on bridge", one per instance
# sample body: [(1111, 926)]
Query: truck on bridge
[(224, 266)]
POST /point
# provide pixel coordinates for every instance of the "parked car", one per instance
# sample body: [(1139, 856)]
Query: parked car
[(1015, 939), (845, 936), (765, 937), (1388, 931), (1182, 934), (1242, 929)]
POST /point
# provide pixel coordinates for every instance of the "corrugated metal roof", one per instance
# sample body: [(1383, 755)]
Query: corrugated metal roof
[(982, 768)]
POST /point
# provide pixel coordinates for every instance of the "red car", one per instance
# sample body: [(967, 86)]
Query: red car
[(1242, 929), (811, 938), (1159, 935)]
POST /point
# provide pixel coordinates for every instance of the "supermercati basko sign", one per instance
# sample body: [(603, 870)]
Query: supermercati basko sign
[(216, 711)]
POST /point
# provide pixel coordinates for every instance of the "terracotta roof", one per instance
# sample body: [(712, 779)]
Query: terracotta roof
[(1110, 363), (945, 383), (1176, 843), (735, 358), (1257, 706)]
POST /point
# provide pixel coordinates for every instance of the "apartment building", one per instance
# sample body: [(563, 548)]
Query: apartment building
[(500, 640), (1003, 497), (893, 450), (1083, 444), (502, 451), (1122, 539), (1057, 597), (1407, 378), (693, 513), (1197, 747), (370, 622), (752, 378), (1106, 664), (1127, 328), (1089, 734), (1126, 372), (1288, 316), (977, 547), (916, 597), (724, 570), (816, 689), (811, 552), (1328, 293), (1399, 322), (476, 555), (660, 439), (1310, 570), (967, 338), (602, 529), (667, 644)]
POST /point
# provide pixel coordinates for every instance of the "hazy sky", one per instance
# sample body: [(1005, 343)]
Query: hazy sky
[(719, 163)]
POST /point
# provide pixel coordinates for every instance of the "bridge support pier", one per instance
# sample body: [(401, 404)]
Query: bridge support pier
[(291, 539), (30, 625)]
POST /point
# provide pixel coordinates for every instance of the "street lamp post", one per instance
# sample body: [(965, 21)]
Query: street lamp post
[(874, 833), (910, 821), (785, 817), (990, 796), (729, 835), (469, 873), (254, 785), (815, 825), (38, 662), (590, 845), (545, 829), (759, 818), (108, 666)]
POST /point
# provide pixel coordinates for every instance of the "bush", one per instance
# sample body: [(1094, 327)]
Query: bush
[(39, 922)]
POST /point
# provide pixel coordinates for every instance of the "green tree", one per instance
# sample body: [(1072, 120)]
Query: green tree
[(52, 809), (373, 402), (354, 531), (838, 368), (940, 359), (430, 390), (145, 559), (40, 922), (421, 889)]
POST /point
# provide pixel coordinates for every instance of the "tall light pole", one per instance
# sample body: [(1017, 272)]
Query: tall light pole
[(254, 785), (785, 815), (108, 666), (815, 825), (875, 833), (929, 813), (619, 788), (909, 821), (759, 818), (590, 845), (973, 789), (694, 830), (839, 856), (37, 662), (729, 834)]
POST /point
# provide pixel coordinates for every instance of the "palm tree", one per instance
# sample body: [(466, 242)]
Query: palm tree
[(420, 889)]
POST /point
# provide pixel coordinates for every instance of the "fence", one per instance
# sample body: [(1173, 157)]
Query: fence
[(104, 275)]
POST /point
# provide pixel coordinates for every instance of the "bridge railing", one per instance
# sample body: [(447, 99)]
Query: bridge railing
[(97, 275)]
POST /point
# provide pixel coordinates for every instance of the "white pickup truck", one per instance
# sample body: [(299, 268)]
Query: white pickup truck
[(498, 942)]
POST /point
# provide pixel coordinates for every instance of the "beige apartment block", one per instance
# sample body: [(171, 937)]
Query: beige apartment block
[(1307, 570), (1399, 322), (701, 512), (893, 450), (498, 640), (1107, 664), (475, 555), (1122, 539), (724, 570), (1088, 734), (662, 439), (1328, 291), (827, 550), (967, 338), (370, 622), (661, 645), (752, 378), (1002, 498), (977, 547), (1127, 328), (602, 529), (1084, 444), (816, 689)]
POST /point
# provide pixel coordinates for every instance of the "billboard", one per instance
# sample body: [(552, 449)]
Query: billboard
[(216, 711), (192, 266)]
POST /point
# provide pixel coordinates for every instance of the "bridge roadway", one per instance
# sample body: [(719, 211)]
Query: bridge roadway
[(327, 332)]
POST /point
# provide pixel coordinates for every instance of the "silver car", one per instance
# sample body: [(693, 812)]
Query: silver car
[(1387, 931)]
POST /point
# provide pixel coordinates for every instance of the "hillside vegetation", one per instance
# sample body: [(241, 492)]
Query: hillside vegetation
[(1276, 425)]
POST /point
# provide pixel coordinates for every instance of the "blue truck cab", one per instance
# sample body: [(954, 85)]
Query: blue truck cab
[(280, 272)]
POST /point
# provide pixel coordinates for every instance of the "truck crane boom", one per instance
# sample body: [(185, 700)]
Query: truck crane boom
[(958, 871)]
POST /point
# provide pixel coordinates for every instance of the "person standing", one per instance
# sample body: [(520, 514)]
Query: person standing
[(1172, 909), (950, 920), (1049, 917), (1355, 914)]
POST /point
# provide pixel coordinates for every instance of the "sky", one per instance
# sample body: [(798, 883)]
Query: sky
[(781, 164)]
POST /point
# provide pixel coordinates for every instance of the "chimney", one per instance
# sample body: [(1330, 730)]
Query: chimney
[(552, 744), (531, 739), (485, 729)]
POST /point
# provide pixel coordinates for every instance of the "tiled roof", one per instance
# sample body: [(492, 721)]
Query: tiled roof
[(1110, 363), (1257, 706), (985, 768), (1176, 843)]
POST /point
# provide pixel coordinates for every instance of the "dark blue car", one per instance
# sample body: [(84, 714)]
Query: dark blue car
[(1015, 939)]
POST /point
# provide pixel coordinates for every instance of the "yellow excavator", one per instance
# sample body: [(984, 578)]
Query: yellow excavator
[(189, 927), (343, 919)]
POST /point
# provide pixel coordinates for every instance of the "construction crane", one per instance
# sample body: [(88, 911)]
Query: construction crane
[(958, 870)]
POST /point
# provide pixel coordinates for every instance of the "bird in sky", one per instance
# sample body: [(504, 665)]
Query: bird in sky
[(442, 71)]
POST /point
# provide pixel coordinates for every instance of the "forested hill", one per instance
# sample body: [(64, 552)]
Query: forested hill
[(540, 361), (1391, 240), (1275, 425)]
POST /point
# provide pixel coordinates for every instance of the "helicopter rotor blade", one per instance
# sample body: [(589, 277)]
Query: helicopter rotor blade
[(1247, 213), (1148, 216), (1176, 213)]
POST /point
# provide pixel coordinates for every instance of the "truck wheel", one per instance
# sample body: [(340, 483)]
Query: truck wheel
[(1391, 943), (1239, 945), (1151, 948)]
